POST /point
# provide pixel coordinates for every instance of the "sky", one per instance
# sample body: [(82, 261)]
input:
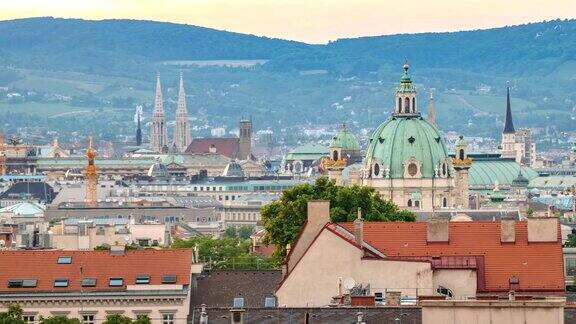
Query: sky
[(312, 21)]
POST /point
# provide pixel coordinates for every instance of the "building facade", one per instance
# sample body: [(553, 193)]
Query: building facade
[(407, 160), (84, 285)]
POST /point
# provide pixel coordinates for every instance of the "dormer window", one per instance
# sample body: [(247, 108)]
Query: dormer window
[(61, 283), (169, 279)]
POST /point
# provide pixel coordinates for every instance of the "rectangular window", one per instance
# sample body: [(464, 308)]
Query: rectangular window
[(169, 279), (270, 302), (87, 319), (238, 302), (64, 260), (167, 318), (61, 283), (29, 319), (22, 283), (142, 279), (116, 282), (88, 282)]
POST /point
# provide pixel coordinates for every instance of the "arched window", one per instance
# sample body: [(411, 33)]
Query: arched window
[(335, 155), (409, 202), (414, 104), (444, 169), (376, 169), (407, 105), (417, 203), (400, 105), (444, 202), (461, 154)]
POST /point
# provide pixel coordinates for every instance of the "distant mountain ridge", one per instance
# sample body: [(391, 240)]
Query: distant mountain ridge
[(76, 44)]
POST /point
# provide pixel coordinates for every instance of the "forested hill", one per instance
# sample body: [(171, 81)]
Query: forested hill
[(105, 45)]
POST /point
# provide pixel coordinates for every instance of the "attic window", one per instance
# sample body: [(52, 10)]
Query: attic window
[(88, 282), (61, 283), (437, 139), (116, 282), (64, 260), (381, 140), (514, 280), (411, 140), (169, 279), (238, 302), (270, 302), (22, 283), (142, 279)]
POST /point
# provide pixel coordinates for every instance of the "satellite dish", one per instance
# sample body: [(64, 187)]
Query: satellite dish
[(348, 283)]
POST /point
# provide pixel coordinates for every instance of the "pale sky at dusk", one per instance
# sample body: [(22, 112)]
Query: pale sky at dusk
[(315, 21)]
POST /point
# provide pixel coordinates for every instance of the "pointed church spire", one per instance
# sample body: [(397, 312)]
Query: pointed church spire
[(182, 129), (508, 124), (139, 127), (159, 136), (431, 113)]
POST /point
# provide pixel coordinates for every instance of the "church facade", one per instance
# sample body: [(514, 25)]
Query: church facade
[(407, 160)]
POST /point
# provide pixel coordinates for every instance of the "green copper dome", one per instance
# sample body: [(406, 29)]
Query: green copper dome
[(401, 138), (345, 140)]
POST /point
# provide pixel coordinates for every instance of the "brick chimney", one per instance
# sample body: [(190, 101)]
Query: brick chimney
[(437, 230), (507, 230), (359, 228)]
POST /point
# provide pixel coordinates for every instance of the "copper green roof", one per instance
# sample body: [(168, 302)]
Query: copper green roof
[(553, 182), (401, 138), (307, 152), (345, 140), (405, 82), (485, 173)]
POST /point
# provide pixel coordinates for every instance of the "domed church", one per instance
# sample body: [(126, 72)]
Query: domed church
[(407, 160)]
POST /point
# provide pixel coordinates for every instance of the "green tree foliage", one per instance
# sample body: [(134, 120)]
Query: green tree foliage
[(224, 252), (283, 219), (242, 232), (571, 241), (121, 319), (12, 316), (59, 320)]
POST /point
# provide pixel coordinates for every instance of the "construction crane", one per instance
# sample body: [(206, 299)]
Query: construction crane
[(91, 175)]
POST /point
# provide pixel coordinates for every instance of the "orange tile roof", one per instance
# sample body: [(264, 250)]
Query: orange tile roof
[(539, 266), (43, 266)]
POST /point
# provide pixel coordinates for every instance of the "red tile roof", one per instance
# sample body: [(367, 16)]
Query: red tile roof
[(539, 266), (225, 146), (43, 266)]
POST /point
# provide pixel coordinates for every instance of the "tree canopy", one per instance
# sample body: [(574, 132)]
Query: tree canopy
[(283, 218), (12, 316), (224, 252), (121, 319)]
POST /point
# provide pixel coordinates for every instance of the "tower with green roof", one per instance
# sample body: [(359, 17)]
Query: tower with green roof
[(407, 160), (345, 146)]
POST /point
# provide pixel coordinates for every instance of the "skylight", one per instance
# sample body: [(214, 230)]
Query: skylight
[(22, 283), (116, 282), (169, 279), (64, 260), (61, 283), (88, 282), (142, 279)]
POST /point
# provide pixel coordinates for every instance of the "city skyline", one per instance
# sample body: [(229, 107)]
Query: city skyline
[(312, 22)]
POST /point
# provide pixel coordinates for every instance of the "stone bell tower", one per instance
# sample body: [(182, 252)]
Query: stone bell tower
[(461, 164), (245, 141)]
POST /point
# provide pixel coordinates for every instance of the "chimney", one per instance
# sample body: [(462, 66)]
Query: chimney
[(437, 230), (359, 228), (507, 230), (212, 148), (117, 250), (318, 217), (542, 229)]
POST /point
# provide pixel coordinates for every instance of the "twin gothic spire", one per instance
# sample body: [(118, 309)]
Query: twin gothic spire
[(159, 134)]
